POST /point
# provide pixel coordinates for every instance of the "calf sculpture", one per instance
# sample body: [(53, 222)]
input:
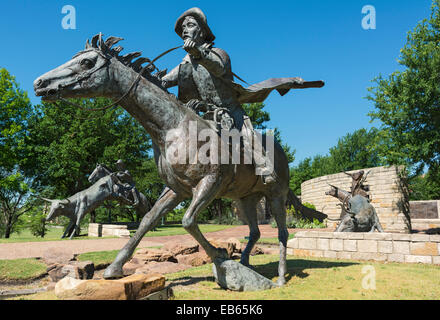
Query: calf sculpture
[(360, 217), (357, 214)]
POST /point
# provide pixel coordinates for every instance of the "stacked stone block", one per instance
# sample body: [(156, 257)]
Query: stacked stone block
[(393, 247), (108, 230)]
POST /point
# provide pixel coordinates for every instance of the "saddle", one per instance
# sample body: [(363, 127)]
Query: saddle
[(220, 116)]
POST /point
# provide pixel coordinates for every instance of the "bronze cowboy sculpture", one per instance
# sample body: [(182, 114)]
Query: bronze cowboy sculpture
[(205, 82), (205, 79)]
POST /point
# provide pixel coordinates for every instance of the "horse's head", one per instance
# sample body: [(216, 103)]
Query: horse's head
[(99, 172), (333, 191), (89, 73)]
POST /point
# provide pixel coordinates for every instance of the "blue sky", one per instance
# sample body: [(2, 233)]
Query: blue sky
[(316, 40)]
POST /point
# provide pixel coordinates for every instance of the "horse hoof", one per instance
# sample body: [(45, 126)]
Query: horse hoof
[(113, 272), (281, 282), (222, 254)]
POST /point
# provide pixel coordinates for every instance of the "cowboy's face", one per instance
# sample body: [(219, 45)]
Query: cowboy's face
[(191, 30)]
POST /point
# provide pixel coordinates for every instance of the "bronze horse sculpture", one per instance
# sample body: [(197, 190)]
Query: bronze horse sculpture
[(143, 205), (99, 71)]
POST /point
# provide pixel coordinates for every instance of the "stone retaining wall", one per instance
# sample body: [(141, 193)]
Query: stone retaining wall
[(387, 193), (393, 247)]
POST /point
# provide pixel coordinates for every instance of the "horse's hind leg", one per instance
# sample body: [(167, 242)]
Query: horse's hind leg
[(279, 213), (167, 202), (248, 207)]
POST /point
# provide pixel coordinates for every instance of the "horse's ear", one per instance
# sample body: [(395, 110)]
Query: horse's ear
[(101, 43), (95, 40), (88, 46)]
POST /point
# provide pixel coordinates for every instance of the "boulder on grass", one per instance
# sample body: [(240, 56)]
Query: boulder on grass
[(82, 270), (181, 249), (162, 267), (236, 243), (229, 246), (194, 259), (144, 256), (134, 287)]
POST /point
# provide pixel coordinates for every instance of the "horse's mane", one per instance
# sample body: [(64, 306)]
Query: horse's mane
[(105, 167), (105, 47)]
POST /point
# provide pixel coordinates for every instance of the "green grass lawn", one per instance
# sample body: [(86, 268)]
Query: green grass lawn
[(54, 234), (177, 229), (21, 269), (307, 278), (320, 279)]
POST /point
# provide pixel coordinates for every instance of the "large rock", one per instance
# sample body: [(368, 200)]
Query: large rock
[(181, 249), (144, 256), (194, 259), (130, 267), (225, 244), (234, 276), (75, 269), (256, 250), (162, 267), (134, 287), (238, 245)]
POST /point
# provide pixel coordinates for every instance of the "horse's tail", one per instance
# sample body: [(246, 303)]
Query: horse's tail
[(292, 200)]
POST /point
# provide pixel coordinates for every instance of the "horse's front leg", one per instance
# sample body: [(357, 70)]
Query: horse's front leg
[(203, 194), (68, 230), (167, 202), (79, 215)]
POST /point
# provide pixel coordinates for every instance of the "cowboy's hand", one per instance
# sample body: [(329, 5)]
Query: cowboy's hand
[(191, 47)]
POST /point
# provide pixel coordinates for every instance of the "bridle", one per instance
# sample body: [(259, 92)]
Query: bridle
[(88, 73)]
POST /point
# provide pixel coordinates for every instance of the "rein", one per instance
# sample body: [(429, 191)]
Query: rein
[(125, 94), (129, 89)]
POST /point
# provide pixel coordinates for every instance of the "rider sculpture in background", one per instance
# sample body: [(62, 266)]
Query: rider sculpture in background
[(205, 81), (128, 185), (357, 184)]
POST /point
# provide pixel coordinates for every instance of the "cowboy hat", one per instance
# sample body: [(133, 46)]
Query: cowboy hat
[(200, 17)]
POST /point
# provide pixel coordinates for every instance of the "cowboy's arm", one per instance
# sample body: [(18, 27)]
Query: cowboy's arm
[(215, 60), (171, 78)]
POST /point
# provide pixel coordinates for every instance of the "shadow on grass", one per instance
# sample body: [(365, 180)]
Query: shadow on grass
[(296, 267), (188, 280)]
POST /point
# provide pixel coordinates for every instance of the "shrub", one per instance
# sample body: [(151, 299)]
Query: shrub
[(294, 219)]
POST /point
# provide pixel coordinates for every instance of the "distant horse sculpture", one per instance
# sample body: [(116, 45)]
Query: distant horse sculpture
[(142, 207), (99, 71)]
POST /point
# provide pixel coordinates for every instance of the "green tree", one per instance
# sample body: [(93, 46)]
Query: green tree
[(356, 150), (15, 108), (353, 151), (408, 102)]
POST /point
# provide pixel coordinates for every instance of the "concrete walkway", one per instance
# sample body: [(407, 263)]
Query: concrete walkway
[(36, 249)]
